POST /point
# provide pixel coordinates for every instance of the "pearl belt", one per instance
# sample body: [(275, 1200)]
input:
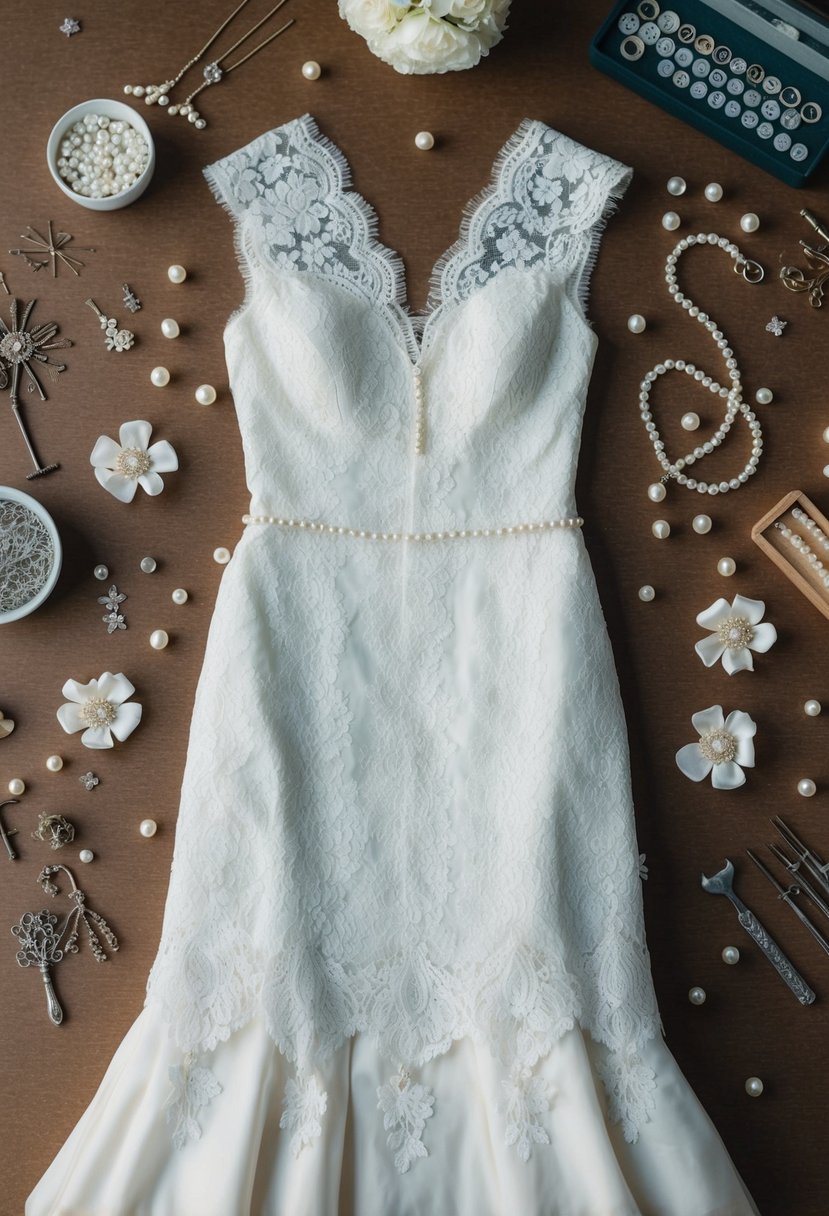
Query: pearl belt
[(311, 525)]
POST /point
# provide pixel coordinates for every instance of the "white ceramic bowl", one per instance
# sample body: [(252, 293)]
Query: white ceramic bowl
[(113, 109), (12, 495)]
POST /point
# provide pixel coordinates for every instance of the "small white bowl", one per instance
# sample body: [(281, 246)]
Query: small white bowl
[(9, 494), (112, 109)]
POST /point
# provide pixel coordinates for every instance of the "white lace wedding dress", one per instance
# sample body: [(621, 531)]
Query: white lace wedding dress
[(403, 968)]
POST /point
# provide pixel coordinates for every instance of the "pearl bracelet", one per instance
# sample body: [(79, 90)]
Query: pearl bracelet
[(797, 542), (312, 525), (752, 272)]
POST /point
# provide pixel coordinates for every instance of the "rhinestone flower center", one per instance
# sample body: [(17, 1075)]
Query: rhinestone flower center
[(213, 73), (133, 463), (98, 712), (718, 746), (16, 347), (735, 632)]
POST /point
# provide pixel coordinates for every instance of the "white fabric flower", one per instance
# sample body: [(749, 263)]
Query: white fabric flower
[(725, 748), (737, 629), (122, 467), (100, 709)]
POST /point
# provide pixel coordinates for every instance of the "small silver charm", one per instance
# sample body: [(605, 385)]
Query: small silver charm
[(776, 327), (5, 833), (114, 618), (40, 947), (114, 338), (88, 780), (131, 300), (55, 830), (3, 283), (70, 26)]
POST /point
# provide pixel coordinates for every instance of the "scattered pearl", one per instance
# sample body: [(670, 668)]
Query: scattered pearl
[(54, 763), (424, 140), (159, 639), (676, 186), (689, 422), (764, 396), (86, 855), (697, 996), (726, 566), (148, 565), (701, 524), (636, 323), (754, 1087), (661, 529), (750, 222), (826, 435), (17, 786), (713, 192), (311, 70), (731, 955), (806, 787), (670, 221), (826, 470), (170, 328), (176, 273), (646, 593), (812, 708), (101, 572), (160, 376), (179, 596), (205, 394), (148, 828), (221, 555), (656, 491)]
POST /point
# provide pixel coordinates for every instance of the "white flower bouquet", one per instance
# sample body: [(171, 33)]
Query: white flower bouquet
[(423, 36)]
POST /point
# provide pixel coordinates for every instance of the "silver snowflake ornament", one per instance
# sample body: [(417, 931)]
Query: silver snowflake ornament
[(70, 26), (776, 327), (88, 780)]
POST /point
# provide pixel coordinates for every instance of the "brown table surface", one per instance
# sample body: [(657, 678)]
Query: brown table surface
[(750, 1023)]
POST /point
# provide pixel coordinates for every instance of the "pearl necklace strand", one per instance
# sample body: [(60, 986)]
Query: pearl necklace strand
[(752, 272), (312, 525)]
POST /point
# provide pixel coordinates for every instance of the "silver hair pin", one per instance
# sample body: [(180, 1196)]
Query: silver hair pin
[(114, 338), (114, 618), (3, 283), (53, 247), (5, 832), (19, 347)]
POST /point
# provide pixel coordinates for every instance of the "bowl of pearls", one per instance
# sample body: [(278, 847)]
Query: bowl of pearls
[(101, 154)]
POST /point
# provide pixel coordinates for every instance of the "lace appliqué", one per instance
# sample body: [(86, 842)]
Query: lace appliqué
[(630, 1084), (528, 1097), (194, 1087), (305, 1104), (406, 1107)]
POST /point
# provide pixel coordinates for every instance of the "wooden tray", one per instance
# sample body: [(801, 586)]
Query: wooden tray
[(785, 556)]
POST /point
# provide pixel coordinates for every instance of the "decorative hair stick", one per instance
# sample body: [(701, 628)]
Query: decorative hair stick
[(787, 894), (5, 833), (795, 869), (814, 223), (813, 862)]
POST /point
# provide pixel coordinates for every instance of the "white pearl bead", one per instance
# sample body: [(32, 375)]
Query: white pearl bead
[(311, 69), (160, 376), (697, 996), (86, 855), (670, 221), (646, 593), (689, 422), (170, 328), (221, 555), (731, 955), (661, 529), (54, 763), (148, 565), (179, 596), (726, 566), (750, 222), (17, 786), (701, 524), (754, 1087), (159, 639), (764, 396), (812, 708), (148, 828), (424, 140), (713, 192), (101, 572), (826, 435), (656, 491), (636, 323), (676, 186), (176, 273), (806, 787), (205, 394)]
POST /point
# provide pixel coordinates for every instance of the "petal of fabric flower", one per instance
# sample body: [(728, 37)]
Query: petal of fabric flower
[(765, 635), (738, 660), (135, 435), (115, 688), (727, 776), (105, 453), (710, 649), (741, 725), (711, 617), (708, 719), (151, 483), (79, 693), (97, 737), (121, 487), (752, 610), (692, 763), (745, 753), (128, 717), (69, 716), (163, 455)]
